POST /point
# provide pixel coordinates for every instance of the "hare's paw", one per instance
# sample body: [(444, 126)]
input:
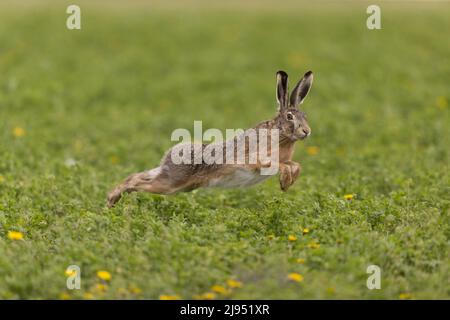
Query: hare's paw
[(113, 197), (285, 177), (289, 172), (295, 170)]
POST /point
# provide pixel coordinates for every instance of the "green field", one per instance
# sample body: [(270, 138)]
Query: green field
[(82, 109)]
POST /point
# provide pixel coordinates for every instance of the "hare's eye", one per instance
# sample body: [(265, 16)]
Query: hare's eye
[(290, 116)]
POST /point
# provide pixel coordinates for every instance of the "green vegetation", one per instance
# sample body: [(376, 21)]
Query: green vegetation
[(80, 110)]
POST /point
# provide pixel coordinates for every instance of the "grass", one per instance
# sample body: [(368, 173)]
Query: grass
[(80, 110)]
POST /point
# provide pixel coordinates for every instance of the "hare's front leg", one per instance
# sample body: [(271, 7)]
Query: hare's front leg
[(289, 171)]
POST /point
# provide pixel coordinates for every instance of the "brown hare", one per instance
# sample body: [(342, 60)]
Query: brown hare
[(290, 125)]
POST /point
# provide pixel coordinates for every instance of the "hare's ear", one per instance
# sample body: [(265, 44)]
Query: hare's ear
[(282, 90), (301, 89)]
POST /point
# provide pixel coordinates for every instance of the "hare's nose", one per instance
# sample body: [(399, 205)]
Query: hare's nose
[(306, 132)]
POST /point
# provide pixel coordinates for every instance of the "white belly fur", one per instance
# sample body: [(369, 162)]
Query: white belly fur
[(242, 177)]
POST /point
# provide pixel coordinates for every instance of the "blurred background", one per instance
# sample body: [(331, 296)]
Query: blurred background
[(81, 109)]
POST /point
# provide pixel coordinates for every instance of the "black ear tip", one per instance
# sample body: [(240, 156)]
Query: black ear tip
[(309, 73), (281, 73)]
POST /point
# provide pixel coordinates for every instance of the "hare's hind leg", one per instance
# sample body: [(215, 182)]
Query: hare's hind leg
[(149, 181)]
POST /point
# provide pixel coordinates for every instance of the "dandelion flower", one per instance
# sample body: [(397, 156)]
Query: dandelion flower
[(169, 297), (442, 102), (292, 237), (209, 296), (135, 290), (15, 235), (64, 296), (348, 197), (18, 132), (296, 277), (78, 145), (312, 151), (405, 296), (2, 179), (114, 160), (122, 291), (314, 245), (305, 230), (104, 275), (340, 151), (234, 283), (100, 287), (219, 289), (88, 296), (205, 296), (296, 59), (300, 261), (70, 272)]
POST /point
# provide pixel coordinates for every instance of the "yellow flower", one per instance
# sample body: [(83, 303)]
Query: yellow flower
[(234, 283), (169, 297), (296, 59), (88, 296), (104, 275), (18, 132), (15, 235), (348, 196), (78, 145), (205, 296), (114, 159), (209, 296), (219, 289), (294, 276), (292, 237), (300, 261), (442, 103), (2, 179), (100, 287), (135, 290), (64, 296), (405, 296), (312, 151), (340, 151), (331, 291), (122, 292), (70, 272), (305, 230), (314, 245), (165, 103)]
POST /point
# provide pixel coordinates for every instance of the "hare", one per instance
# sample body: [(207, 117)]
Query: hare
[(171, 177)]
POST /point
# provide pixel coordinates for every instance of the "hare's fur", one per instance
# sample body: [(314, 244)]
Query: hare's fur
[(171, 178)]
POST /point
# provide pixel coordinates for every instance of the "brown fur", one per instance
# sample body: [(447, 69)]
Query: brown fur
[(171, 178)]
